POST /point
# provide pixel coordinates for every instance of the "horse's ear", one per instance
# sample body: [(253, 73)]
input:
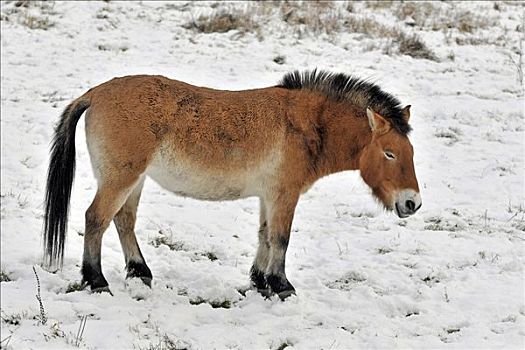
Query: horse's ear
[(406, 113), (378, 124)]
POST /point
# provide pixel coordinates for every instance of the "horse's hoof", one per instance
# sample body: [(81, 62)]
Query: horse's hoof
[(265, 292), (139, 270), (280, 286), (101, 290), (97, 285), (285, 294)]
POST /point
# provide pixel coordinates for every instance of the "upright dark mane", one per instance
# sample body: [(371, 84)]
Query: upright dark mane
[(356, 91)]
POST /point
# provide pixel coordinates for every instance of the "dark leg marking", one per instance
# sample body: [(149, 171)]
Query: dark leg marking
[(258, 279), (275, 274), (283, 242), (91, 262), (140, 270), (92, 276)]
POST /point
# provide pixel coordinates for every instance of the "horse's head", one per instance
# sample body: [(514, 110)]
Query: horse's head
[(387, 166)]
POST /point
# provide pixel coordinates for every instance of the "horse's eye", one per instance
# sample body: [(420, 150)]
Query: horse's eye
[(389, 155)]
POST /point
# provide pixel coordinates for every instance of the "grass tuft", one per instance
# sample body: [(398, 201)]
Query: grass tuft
[(413, 46), (172, 245), (384, 250), (74, 287), (314, 17), (4, 277), (210, 255), (283, 346), (222, 21), (31, 14), (279, 59), (428, 15), (13, 319)]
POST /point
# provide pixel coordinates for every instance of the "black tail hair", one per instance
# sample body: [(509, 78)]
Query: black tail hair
[(59, 182)]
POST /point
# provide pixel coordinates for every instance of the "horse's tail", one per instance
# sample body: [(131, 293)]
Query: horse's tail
[(59, 182)]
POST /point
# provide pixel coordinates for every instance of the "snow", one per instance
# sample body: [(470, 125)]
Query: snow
[(449, 277)]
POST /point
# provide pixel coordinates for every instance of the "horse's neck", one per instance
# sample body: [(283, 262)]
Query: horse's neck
[(346, 134)]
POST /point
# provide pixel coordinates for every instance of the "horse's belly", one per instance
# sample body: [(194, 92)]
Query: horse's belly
[(187, 180)]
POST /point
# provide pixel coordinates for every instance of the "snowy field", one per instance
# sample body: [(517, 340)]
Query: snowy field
[(449, 277)]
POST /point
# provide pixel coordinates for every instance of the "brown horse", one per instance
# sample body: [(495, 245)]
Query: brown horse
[(273, 143)]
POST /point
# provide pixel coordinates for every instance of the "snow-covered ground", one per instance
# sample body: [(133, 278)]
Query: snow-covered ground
[(449, 277)]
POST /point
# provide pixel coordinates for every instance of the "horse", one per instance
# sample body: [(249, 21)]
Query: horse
[(272, 143)]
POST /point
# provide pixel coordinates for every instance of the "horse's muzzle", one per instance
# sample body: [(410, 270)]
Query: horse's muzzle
[(407, 203)]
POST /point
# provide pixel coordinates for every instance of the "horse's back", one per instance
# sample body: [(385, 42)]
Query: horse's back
[(198, 142)]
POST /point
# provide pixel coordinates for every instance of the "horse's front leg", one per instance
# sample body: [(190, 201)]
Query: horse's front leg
[(280, 212)]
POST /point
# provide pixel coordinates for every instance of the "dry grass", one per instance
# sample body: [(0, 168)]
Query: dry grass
[(4, 277), (308, 17), (413, 46), (399, 42), (318, 18), (168, 242), (165, 342), (369, 26), (477, 40), (74, 287), (279, 59), (459, 25), (37, 22), (13, 319), (314, 17), (222, 21), (380, 4), (429, 15), (31, 14)]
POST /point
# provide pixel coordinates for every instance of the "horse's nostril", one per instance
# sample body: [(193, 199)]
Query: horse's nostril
[(410, 205)]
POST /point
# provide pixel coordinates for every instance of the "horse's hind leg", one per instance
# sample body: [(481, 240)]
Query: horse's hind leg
[(261, 259), (125, 223), (109, 199)]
